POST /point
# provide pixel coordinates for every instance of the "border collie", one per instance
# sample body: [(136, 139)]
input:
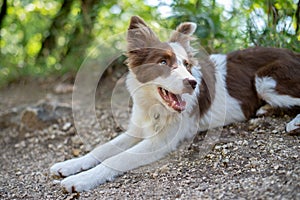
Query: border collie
[(175, 95)]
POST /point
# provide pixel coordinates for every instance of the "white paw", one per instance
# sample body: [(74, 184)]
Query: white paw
[(78, 183), (89, 179), (264, 110), (73, 166), (294, 124)]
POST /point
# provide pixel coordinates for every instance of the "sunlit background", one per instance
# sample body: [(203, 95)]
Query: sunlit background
[(41, 38)]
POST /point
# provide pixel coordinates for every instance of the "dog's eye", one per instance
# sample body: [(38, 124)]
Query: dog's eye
[(163, 62), (186, 64)]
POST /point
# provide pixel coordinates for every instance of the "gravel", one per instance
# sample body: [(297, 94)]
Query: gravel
[(251, 160)]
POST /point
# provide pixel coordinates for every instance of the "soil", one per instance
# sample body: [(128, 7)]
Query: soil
[(251, 160)]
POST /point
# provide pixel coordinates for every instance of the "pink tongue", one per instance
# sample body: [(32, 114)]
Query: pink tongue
[(179, 103)]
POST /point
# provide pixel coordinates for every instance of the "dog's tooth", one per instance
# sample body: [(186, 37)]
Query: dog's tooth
[(164, 92), (173, 103)]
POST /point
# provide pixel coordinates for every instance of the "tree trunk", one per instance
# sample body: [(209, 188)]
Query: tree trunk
[(50, 41), (82, 35), (298, 17), (3, 13)]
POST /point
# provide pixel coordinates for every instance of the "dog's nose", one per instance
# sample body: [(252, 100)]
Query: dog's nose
[(190, 82)]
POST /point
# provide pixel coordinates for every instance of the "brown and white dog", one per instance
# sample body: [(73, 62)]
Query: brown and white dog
[(175, 95)]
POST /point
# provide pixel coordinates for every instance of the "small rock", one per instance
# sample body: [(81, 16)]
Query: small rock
[(203, 187), (275, 131), (225, 151), (44, 114), (218, 147), (255, 121), (76, 140), (20, 145), (63, 88), (245, 143), (76, 152), (18, 173), (66, 126), (73, 196), (56, 182), (164, 169), (155, 175), (30, 119)]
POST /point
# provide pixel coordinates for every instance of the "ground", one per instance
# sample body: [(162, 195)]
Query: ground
[(251, 160)]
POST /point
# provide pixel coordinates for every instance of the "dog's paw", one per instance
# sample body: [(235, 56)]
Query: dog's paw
[(88, 180), (73, 166), (78, 183), (265, 110), (294, 124)]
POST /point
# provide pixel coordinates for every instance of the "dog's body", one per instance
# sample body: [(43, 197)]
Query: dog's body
[(176, 95)]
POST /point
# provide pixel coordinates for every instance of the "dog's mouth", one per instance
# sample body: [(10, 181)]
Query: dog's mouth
[(174, 101)]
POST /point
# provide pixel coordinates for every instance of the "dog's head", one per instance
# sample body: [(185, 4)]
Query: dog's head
[(166, 66)]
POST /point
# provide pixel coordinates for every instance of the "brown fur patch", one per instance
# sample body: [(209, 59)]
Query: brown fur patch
[(285, 69), (140, 36), (145, 52), (148, 72), (144, 62), (242, 66), (182, 36), (207, 86)]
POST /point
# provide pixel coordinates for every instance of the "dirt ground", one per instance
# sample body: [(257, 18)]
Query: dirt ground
[(252, 160)]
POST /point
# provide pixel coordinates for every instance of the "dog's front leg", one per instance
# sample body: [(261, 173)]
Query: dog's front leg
[(111, 148), (145, 152), (293, 125)]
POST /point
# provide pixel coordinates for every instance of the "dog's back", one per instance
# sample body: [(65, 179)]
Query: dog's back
[(258, 75)]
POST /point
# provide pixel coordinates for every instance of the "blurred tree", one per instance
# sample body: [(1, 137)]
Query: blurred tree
[(42, 37), (246, 23), (279, 24), (298, 18), (82, 36), (206, 14), (3, 12), (76, 40), (50, 40)]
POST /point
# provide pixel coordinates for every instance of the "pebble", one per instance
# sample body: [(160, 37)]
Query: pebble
[(76, 152), (66, 126), (18, 173), (76, 140), (20, 145), (275, 131)]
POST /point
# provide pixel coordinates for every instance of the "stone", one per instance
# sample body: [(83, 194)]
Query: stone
[(36, 117)]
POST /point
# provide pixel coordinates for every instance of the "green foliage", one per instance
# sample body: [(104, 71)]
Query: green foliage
[(28, 23), (247, 23), (39, 38), (279, 22), (21, 37), (206, 14)]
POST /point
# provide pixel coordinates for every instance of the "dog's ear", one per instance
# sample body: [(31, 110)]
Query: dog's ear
[(136, 22), (187, 28), (183, 34), (140, 35)]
